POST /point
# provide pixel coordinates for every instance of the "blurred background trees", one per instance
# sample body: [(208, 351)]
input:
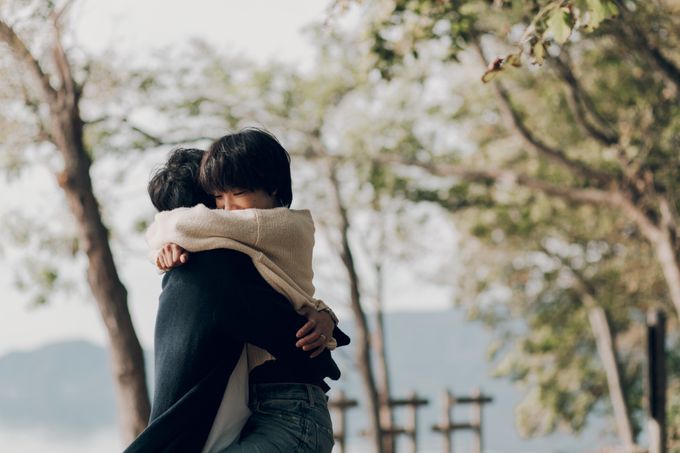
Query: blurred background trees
[(44, 100), (561, 172), (570, 151)]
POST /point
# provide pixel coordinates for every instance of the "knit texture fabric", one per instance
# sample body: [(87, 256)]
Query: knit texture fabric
[(280, 241)]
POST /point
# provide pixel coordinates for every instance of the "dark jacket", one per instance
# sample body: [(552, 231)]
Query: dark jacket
[(208, 309)]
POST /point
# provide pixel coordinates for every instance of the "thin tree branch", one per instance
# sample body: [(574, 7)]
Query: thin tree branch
[(582, 109), (514, 119), (61, 61), (611, 198), (21, 51), (100, 119), (61, 11), (34, 107), (582, 105), (87, 73), (669, 219), (638, 40), (158, 141)]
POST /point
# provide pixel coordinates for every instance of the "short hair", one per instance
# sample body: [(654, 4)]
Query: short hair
[(175, 184), (251, 159)]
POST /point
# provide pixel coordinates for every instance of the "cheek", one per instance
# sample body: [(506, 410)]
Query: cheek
[(263, 201), (245, 202)]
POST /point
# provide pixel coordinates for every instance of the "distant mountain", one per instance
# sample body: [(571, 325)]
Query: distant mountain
[(68, 388)]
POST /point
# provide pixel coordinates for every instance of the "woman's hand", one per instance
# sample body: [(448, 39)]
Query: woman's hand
[(316, 331), (171, 255)]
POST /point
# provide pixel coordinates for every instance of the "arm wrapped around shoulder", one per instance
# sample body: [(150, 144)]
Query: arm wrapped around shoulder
[(200, 228)]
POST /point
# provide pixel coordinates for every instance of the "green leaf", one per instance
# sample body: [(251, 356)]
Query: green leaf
[(559, 25), (598, 12), (515, 59), (612, 9), (538, 52)]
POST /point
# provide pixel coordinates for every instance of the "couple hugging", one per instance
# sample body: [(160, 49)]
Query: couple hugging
[(241, 345)]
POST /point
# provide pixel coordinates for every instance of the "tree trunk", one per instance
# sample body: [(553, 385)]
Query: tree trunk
[(667, 257), (65, 130), (386, 412), (606, 349), (362, 335), (111, 296), (661, 238), (607, 352)]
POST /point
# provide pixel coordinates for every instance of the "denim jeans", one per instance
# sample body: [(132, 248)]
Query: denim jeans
[(286, 418)]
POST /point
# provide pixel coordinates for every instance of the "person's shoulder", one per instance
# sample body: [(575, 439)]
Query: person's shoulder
[(292, 221), (218, 258), (212, 270), (210, 263), (285, 213)]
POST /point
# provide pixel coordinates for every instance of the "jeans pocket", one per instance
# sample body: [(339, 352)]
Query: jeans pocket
[(324, 439)]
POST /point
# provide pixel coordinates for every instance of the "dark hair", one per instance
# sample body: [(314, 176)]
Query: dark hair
[(175, 184), (251, 159)]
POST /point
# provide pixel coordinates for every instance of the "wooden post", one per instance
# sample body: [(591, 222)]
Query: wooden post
[(477, 420), (656, 381), (341, 404), (447, 420), (410, 429), (412, 422), (447, 427)]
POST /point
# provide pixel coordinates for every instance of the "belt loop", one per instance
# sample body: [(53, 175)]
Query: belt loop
[(310, 394)]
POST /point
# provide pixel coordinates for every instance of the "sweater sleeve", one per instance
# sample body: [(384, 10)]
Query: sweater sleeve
[(199, 228)]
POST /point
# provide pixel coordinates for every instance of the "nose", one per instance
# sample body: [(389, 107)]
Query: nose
[(228, 202)]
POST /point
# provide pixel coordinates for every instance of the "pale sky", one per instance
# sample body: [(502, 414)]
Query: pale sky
[(261, 29)]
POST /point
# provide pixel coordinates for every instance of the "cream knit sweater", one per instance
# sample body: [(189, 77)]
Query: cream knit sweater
[(280, 242)]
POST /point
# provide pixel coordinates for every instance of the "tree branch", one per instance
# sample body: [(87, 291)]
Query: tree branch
[(514, 119), (582, 105), (638, 40), (158, 141), (612, 198), (100, 119), (34, 107), (57, 14), (68, 84), (582, 108), (21, 51)]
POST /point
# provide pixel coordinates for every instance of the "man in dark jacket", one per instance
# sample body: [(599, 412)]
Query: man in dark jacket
[(208, 309)]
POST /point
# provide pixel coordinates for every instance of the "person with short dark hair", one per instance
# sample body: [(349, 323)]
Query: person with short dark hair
[(174, 184), (251, 159), (254, 184)]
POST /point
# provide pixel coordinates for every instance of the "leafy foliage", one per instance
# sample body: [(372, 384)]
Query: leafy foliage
[(605, 102)]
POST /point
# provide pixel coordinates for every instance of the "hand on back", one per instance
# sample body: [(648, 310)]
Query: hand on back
[(316, 332), (171, 255)]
